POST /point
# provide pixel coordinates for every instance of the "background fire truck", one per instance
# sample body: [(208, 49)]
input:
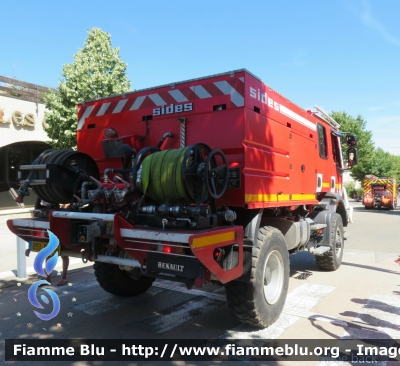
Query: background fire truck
[(380, 193), (215, 179)]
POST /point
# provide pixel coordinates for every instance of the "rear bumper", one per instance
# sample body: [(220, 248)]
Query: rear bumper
[(147, 246)]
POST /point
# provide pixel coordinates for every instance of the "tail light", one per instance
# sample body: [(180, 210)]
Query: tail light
[(218, 254), (199, 282), (39, 234)]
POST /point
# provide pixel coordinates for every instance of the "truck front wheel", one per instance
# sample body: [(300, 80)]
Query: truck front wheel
[(332, 260), (119, 282), (259, 301)]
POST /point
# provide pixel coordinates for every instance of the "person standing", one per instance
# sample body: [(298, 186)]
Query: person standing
[(65, 264)]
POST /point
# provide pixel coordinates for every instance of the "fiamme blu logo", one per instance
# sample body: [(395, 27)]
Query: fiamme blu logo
[(45, 257)]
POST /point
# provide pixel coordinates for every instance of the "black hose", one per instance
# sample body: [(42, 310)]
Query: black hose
[(167, 134), (57, 195), (147, 130), (69, 159), (43, 191), (139, 158)]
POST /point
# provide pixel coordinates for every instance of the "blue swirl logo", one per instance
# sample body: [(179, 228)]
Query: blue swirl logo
[(49, 266)]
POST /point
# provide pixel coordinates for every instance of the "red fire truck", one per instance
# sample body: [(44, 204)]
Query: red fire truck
[(215, 179), (379, 192)]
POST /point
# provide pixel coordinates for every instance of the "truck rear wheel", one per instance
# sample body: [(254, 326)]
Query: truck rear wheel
[(332, 260), (259, 301), (119, 282)]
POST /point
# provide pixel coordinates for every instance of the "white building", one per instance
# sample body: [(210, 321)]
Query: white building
[(347, 178), (22, 139)]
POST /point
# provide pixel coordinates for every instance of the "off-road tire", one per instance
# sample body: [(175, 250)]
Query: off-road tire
[(332, 259), (253, 302), (119, 282)]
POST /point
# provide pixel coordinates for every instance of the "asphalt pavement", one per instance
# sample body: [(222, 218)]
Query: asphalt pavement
[(358, 301)]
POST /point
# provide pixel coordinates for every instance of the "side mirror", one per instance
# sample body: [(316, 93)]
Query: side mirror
[(352, 157), (351, 140)]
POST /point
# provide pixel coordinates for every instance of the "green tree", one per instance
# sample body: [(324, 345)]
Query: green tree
[(350, 189), (365, 145), (397, 168), (384, 164), (97, 71)]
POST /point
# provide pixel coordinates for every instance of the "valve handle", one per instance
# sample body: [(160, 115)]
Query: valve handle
[(213, 171)]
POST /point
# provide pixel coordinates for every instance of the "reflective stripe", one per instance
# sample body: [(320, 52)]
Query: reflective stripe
[(138, 102), (289, 113), (278, 197), (200, 92), (178, 96), (157, 99), (120, 105), (213, 239), (103, 109), (86, 114), (226, 88)]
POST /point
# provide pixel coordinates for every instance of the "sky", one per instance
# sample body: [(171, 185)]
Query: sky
[(342, 55)]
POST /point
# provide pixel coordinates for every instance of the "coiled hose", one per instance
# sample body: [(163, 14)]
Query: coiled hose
[(70, 159)]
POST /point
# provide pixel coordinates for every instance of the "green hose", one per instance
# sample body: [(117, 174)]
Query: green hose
[(162, 176)]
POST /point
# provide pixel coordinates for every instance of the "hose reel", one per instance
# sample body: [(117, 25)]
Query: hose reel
[(69, 164), (186, 175)]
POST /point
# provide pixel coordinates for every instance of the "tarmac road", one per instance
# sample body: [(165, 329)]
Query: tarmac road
[(360, 300)]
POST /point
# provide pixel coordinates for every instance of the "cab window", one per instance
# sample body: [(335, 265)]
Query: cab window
[(336, 150), (323, 151)]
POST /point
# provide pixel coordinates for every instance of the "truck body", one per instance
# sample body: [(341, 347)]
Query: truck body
[(380, 192), (215, 179)]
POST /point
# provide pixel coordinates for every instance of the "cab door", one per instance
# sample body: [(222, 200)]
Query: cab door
[(323, 169), (336, 164)]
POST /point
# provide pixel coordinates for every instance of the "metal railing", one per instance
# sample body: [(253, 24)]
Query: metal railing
[(22, 89)]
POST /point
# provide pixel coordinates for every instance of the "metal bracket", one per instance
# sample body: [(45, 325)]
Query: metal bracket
[(182, 120)]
